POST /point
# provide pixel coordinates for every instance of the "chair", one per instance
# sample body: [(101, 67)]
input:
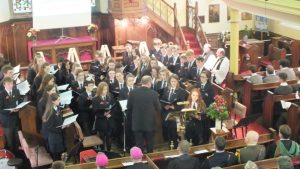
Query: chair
[(88, 141), (239, 111)]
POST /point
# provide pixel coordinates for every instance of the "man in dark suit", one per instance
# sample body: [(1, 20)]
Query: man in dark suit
[(284, 146), (252, 152), (184, 161), (196, 71), (10, 98), (124, 92), (143, 104), (220, 158), (283, 88), (85, 107)]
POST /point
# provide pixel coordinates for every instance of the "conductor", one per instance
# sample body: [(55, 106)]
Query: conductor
[(143, 104)]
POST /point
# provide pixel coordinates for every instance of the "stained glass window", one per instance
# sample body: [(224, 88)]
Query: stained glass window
[(22, 6)]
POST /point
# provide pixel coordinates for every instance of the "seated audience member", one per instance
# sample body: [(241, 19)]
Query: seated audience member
[(284, 146), (252, 152), (184, 161), (136, 155), (254, 78), (221, 157), (283, 88), (58, 165), (250, 165), (284, 68), (271, 77), (284, 162), (101, 161), (296, 87)]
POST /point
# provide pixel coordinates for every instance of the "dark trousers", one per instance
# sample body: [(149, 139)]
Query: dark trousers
[(12, 138), (145, 136), (172, 133)]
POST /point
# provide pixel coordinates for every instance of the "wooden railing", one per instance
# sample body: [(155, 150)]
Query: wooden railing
[(178, 34), (193, 21), (162, 9), (169, 14)]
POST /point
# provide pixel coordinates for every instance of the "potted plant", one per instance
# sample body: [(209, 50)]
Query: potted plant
[(218, 111), (91, 29)]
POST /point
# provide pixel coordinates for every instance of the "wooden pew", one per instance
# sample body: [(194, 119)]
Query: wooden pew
[(250, 88), (295, 51), (293, 120), (160, 156), (268, 105), (113, 163), (28, 117), (273, 57), (268, 163)]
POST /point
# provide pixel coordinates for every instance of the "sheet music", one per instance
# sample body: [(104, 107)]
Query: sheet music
[(127, 163), (66, 97), (21, 105), (63, 87), (16, 69), (15, 76), (285, 105), (52, 70), (69, 120), (23, 87), (200, 151), (172, 156), (123, 104)]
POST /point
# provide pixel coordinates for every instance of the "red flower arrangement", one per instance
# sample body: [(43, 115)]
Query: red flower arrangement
[(92, 28), (32, 33), (218, 109)]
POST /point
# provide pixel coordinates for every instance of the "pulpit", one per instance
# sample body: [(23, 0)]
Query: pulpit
[(85, 46)]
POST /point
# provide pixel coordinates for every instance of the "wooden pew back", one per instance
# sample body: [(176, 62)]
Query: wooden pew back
[(250, 88), (160, 156), (293, 120), (268, 105)]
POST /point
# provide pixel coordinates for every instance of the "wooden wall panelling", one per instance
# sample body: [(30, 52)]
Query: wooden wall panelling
[(20, 30), (6, 42)]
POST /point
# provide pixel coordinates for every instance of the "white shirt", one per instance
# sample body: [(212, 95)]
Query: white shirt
[(210, 62), (221, 73)]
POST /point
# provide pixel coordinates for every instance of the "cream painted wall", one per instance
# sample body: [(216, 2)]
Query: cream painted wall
[(278, 28), (181, 4), (223, 25), (4, 11)]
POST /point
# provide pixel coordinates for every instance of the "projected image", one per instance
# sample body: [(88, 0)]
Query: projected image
[(22, 6)]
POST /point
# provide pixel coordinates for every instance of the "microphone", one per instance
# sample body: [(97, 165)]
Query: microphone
[(183, 103)]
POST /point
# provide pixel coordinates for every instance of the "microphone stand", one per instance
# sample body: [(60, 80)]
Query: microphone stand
[(124, 132), (36, 149)]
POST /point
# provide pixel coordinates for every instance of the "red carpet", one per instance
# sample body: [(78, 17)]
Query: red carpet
[(252, 126), (191, 38)]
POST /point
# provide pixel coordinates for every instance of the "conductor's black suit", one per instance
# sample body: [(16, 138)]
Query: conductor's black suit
[(143, 104)]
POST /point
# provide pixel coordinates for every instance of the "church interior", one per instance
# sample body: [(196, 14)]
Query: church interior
[(225, 82)]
